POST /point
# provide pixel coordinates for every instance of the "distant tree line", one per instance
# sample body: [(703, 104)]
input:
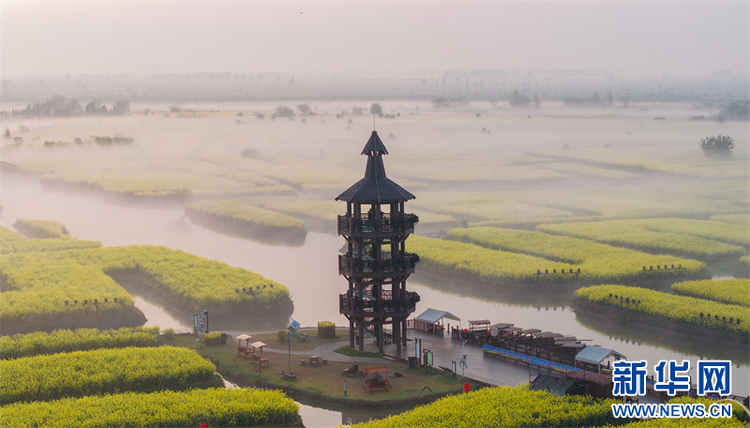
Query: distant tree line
[(58, 105), (442, 102), (595, 99)]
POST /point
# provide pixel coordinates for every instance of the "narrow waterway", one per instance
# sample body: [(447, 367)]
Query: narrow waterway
[(310, 272)]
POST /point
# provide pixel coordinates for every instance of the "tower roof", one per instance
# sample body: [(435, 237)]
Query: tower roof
[(374, 144), (375, 187)]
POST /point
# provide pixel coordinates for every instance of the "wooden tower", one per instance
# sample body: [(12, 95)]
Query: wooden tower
[(376, 263)]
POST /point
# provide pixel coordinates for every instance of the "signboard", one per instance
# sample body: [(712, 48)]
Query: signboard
[(293, 326)]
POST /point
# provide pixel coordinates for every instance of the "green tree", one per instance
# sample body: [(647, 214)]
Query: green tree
[(518, 100), (6, 134), (375, 108), (121, 106), (304, 109), (180, 195), (720, 145), (284, 111)]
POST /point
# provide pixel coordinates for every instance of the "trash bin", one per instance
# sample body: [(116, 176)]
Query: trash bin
[(412, 362), (223, 338)]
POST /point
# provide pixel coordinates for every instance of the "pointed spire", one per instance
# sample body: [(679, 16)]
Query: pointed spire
[(374, 146), (375, 187)]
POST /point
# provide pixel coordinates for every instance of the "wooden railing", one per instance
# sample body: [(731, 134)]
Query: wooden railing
[(365, 224)]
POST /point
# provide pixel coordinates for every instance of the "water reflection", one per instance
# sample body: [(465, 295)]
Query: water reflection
[(629, 333)]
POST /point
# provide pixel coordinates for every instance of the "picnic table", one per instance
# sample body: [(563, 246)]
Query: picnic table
[(374, 380), (314, 360), (244, 350), (257, 356)]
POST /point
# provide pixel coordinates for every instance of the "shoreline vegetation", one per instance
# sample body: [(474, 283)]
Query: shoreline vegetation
[(505, 256), (43, 290), (682, 314), (250, 222)]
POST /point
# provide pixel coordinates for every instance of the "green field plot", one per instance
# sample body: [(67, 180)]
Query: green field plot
[(574, 168), (12, 242), (501, 207), (513, 256), (504, 407), (660, 158), (691, 311), (102, 371), (144, 182), (38, 285), (730, 291), (241, 209), (41, 228), (743, 219), (215, 407), (524, 208), (44, 288), (41, 343), (699, 238)]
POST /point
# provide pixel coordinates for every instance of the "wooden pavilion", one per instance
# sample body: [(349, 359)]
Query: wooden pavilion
[(376, 263)]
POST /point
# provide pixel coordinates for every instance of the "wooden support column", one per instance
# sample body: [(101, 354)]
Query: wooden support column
[(351, 334), (361, 326)]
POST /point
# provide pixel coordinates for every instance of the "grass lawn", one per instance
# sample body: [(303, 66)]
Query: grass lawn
[(325, 380), (312, 342)]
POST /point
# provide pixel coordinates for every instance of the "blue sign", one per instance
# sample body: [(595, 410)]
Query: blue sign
[(294, 325)]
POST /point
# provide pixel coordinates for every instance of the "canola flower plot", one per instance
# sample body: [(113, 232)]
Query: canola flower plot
[(102, 371), (50, 290), (575, 168), (13, 242), (71, 286), (730, 291), (242, 210), (215, 407), (737, 420), (701, 238), (41, 228), (82, 339), (504, 407), (512, 256), (690, 311), (743, 219)]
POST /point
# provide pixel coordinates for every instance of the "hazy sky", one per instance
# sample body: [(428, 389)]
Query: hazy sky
[(677, 38)]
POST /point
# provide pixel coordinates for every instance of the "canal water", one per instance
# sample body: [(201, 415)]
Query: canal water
[(310, 272)]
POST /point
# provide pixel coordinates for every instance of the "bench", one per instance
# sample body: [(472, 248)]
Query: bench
[(302, 336), (289, 374)]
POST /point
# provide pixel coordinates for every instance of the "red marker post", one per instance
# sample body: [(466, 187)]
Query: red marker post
[(467, 386)]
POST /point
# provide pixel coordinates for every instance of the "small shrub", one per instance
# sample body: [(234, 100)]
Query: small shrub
[(720, 146), (212, 339), (249, 152), (169, 334), (281, 335), (326, 329)]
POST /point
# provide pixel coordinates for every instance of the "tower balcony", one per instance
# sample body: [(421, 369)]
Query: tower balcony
[(350, 225), (368, 307), (370, 268)]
